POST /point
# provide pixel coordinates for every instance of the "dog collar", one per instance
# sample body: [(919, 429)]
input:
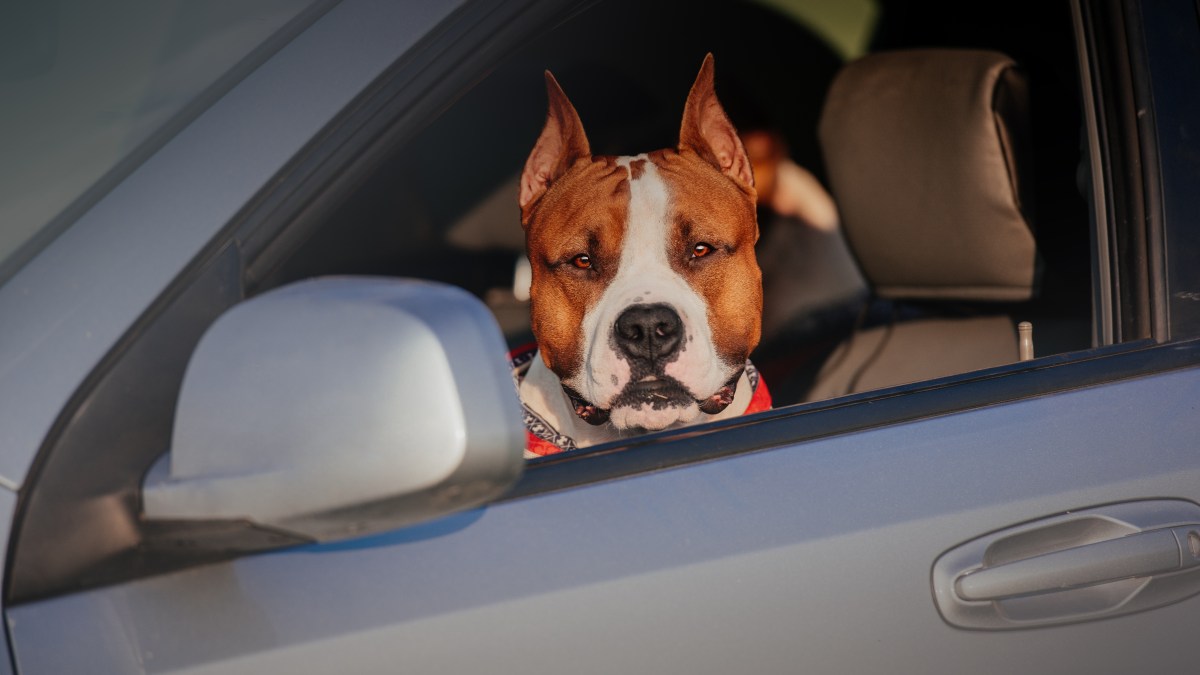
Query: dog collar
[(541, 438)]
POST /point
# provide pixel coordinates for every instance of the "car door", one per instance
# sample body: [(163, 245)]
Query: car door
[(889, 531)]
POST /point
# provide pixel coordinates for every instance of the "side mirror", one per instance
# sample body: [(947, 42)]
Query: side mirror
[(337, 407)]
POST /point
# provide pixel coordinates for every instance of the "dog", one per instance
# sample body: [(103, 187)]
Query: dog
[(646, 296)]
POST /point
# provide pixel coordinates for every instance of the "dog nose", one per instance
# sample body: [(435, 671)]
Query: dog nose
[(648, 332)]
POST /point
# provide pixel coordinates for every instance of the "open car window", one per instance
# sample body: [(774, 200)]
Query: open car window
[(839, 315)]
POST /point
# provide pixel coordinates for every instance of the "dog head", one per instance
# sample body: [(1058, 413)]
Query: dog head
[(646, 294)]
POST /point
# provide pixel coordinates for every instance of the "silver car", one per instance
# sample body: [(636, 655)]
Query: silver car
[(257, 286)]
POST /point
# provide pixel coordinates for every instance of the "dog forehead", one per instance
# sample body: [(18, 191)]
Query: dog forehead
[(674, 197), (701, 193), (591, 199), (647, 229)]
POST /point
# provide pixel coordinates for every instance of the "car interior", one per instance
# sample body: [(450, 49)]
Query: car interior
[(975, 246), (957, 241)]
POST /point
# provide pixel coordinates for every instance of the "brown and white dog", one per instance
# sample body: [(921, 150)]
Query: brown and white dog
[(646, 297)]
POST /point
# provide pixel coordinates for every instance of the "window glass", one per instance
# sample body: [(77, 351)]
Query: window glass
[(82, 84)]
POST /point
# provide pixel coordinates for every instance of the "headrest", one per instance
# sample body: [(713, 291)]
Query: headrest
[(926, 152)]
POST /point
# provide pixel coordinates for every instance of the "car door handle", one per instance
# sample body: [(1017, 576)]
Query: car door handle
[(1136, 555), (1075, 566)]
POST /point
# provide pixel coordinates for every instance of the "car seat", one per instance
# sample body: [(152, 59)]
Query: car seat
[(927, 153)]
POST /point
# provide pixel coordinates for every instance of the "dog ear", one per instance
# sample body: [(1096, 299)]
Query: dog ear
[(561, 143), (707, 130)]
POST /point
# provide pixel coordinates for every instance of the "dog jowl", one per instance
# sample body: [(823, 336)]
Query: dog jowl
[(646, 298)]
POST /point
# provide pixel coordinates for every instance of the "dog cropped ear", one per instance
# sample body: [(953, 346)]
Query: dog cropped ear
[(707, 130), (561, 143)]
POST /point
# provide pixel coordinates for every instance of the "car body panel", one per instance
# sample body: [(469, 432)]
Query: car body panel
[(71, 303), (810, 551), (806, 558)]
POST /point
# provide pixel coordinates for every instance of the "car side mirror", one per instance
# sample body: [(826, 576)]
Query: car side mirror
[(337, 407)]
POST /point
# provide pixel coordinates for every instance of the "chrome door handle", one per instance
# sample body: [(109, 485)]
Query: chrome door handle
[(1075, 566)]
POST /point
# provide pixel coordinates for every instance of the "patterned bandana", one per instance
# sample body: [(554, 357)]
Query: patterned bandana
[(542, 439)]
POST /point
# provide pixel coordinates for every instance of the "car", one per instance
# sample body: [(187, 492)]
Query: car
[(256, 290)]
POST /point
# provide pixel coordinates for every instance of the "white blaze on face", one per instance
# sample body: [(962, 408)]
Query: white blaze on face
[(645, 276)]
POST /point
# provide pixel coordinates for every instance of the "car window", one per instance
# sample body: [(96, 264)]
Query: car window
[(85, 84), (443, 209)]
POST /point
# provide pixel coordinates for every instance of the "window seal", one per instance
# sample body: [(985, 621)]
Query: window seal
[(1152, 191), (805, 423), (1102, 300)]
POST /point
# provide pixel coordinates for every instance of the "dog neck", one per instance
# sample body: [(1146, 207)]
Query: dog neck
[(542, 393)]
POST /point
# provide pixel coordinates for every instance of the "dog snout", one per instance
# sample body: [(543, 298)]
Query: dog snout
[(648, 333)]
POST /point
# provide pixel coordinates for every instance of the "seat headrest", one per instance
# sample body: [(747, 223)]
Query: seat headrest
[(926, 152)]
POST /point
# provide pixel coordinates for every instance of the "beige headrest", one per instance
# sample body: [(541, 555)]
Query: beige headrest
[(925, 151)]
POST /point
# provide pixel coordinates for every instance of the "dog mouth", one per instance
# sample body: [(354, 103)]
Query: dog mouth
[(657, 392), (587, 411)]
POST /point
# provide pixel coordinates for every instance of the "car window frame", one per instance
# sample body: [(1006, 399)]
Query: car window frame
[(1132, 337)]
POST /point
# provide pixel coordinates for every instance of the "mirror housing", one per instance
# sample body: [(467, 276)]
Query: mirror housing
[(338, 407)]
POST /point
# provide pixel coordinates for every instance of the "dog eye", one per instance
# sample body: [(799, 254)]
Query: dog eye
[(702, 249), (583, 261)]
